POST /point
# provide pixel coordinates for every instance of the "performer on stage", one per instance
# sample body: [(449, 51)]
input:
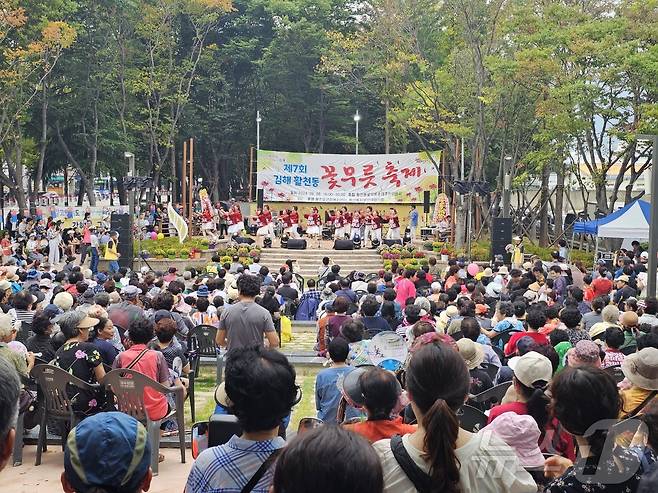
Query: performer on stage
[(263, 225), (376, 228), (270, 223), (356, 225), (294, 220), (313, 223), (339, 223), (347, 222), (236, 221), (207, 215), (367, 225), (393, 225)]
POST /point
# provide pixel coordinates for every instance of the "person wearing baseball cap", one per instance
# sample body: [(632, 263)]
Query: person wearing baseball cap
[(107, 452), (532, 375), (624, 291)]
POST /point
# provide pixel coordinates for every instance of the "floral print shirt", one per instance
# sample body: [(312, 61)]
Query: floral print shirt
[(80, 359), (620, 473)]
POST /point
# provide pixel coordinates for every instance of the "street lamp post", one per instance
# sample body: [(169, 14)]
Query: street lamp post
[(653, 224), (357, 119), (131, 203), (258, 120)]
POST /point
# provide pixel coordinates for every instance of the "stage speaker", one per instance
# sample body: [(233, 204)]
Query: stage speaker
[(242, 239), (343, 245), (392, 242), (259, 198), (121, 224), (296, 244), (501, 236), (426, 202)]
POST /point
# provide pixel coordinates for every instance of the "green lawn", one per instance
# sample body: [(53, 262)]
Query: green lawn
[(205, 401)]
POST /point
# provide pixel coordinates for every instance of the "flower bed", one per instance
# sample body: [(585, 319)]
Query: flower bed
[(406, 256)]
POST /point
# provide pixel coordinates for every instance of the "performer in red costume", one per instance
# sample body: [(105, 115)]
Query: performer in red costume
[(313, 223), (393, 225), (294, 220)]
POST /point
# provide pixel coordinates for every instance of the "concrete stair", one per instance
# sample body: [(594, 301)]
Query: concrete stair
[(308, 261)]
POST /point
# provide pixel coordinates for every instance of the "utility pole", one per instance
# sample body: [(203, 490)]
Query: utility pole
[(653, 224)]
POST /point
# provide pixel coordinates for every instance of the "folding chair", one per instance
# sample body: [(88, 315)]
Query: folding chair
[(485, 400), (128, 387), (471, 419)]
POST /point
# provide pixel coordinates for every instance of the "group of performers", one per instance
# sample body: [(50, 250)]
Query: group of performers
[(362, 224)]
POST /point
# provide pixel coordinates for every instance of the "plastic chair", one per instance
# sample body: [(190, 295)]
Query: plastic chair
[(221, 427), (128, 388), (373, 276), (360, 294), (53, 382), (301, 282), (471, 419), (201, 342), (491, 369), (489, 397), (615, 372)]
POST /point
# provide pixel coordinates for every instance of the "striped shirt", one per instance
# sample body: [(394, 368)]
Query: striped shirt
[(229, 467)]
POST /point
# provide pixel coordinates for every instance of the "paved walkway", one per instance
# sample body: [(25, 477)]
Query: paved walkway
[(45, 478)]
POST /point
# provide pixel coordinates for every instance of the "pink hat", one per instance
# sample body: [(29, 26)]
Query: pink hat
[(521, 433), (584, 353)]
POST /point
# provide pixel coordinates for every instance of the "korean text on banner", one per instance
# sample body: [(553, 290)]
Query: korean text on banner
[(345, 178)]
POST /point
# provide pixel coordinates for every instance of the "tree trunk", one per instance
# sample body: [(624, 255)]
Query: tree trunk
[(43, 144), (559, 200), (543, 203), (387, 127)]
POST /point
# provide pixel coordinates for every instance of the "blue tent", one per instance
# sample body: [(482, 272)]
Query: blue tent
[(634, 216)]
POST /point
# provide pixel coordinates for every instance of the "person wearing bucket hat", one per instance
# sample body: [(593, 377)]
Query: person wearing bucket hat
[(641, 370), (473, 354), (522, 434), (120, 464), (379, 395)]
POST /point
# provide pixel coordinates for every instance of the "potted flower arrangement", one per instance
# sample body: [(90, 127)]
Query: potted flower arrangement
[(171, 253), (159, 253), (445, 253), (185, 253)]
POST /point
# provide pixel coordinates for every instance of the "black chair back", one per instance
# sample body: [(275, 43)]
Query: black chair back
[(485, 400), (300, 282), (491, 369), (201, 340), (25, 332), (221, 428), (471, 419), (615, 372), (54, 382)]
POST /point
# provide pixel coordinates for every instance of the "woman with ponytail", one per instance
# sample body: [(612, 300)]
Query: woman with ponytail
[(587, 403), (440, 456)]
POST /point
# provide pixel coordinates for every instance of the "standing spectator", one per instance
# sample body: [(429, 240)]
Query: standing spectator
[(245, 323), (260, 385), (10, 388), (413, 222), (111, 253), (327, 393)]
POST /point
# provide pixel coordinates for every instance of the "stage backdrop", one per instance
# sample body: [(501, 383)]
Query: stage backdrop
[(345, 178)]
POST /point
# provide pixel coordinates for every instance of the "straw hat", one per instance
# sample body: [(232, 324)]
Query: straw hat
[(641, 368)]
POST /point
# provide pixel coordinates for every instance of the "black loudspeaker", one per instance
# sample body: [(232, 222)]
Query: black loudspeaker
[(242, 239), (296, 244), (121, 224), (343, 245), (267, 242), (501, 236), (426, 202), (392, 242), (259, 198)]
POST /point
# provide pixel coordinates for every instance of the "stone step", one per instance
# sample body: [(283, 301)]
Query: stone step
[(308, 261)]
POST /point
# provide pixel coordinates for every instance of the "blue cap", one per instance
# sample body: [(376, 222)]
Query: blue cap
[(203, 291), (32, 274), (101, 277), (109, 451)]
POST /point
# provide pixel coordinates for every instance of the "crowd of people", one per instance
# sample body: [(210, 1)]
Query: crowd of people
[(578, 352)]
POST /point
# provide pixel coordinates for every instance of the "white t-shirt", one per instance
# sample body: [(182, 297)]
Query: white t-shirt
[(488, 465)]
